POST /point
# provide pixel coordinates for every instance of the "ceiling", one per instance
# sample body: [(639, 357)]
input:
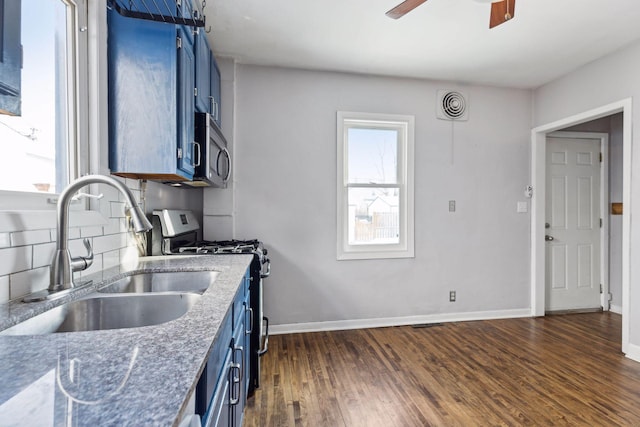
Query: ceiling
[(441, 39)]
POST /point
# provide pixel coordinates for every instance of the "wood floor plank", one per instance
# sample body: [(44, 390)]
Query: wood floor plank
[(552, 371)]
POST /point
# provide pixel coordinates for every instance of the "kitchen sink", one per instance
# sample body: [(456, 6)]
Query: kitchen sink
[(107, 312), (182, 281)]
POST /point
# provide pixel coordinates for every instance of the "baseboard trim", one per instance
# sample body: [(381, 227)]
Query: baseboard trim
[(615, 309), (341, 325), (633, 352)]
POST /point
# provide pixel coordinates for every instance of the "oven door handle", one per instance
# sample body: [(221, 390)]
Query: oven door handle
[(268, 272)]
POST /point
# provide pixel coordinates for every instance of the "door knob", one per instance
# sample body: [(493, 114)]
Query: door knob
[(548, 238)]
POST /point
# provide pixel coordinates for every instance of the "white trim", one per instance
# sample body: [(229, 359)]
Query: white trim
[(340, 325), (604, 205), (538, 154), (405, 183), (615, 309), (633, 352)]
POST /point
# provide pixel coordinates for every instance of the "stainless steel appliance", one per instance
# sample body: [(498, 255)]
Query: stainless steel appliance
[(175, 232), (212, 159)]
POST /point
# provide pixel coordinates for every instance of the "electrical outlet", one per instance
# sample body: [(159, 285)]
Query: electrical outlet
[(452, 296)]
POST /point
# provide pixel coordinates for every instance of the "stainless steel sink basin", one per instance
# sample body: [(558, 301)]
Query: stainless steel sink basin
[(107, 312), (183, 281)]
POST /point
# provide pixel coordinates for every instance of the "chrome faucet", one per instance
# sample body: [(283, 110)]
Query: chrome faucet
[(63, 265)]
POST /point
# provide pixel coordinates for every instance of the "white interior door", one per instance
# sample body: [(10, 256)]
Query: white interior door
[(572, 224)]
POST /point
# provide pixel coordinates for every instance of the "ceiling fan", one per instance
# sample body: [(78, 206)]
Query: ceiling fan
[(501, 10)]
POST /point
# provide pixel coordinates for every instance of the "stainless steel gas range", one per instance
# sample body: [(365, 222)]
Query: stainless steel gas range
[(175, 232)]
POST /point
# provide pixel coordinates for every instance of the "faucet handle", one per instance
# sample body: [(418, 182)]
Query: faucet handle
[(83, 262)]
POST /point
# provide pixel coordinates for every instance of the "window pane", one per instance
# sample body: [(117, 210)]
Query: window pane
[(372, 155), (35, 145), (373, 217)]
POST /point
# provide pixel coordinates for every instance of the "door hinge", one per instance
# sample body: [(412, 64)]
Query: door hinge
[(178, 42), (179, 153)]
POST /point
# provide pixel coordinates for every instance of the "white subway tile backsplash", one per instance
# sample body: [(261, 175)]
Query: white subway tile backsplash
[(27, 282), (116, 225), (31, 237), (117, 209), (26, 253), (4, 289), (43, 254), (17, 259), (111, 259), (91, 231), (109, 243)]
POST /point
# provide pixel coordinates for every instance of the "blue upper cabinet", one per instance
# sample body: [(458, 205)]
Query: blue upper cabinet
[(186, 112), (216, 94), (10, 57), (203, 79), (151, 102)]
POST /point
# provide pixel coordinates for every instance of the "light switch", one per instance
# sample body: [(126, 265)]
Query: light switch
[(452, 205), (522, 207)]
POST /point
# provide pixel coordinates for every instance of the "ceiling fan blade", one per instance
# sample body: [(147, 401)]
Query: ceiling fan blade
[(403, 8), (502, 12)]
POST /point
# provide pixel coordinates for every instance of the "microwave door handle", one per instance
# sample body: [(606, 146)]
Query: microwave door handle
[(218, 163), (226, 152), (197, 154)]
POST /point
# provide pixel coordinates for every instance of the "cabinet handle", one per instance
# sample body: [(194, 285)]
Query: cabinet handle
[(196, 150), (226, 152), (250, 310), (234, 398), (240, 364)]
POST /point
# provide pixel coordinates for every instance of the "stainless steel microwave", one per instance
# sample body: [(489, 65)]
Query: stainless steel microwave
[(212, 159)]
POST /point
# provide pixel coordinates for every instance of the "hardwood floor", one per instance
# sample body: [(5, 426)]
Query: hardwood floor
[(552, 371)]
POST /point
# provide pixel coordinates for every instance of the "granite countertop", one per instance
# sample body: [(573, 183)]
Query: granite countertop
[(124, 377)]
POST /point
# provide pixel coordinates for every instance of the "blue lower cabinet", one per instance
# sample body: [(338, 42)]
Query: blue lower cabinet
[(221, 393), (151, 105)]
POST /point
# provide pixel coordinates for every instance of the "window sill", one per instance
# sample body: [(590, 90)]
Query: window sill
[(383, 254)]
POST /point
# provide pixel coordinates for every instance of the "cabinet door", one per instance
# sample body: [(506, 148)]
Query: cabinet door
[(203, 78), (10, 57), (216, 93), (248, 350), (238, 390), (186, 112), (219, 414)]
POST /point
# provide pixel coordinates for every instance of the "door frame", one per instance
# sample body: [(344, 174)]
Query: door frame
[(538, 204), (604, 204)]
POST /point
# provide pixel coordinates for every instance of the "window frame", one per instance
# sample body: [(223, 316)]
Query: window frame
[(405, 168), (78, 111)]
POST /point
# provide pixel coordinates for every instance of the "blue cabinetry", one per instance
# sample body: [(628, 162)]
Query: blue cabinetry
[(203, 80), (216, 93), (151, 86), (11, 57), (221, 394)]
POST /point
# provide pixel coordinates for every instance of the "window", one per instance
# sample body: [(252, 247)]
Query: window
[(375, 186), (40, 144)]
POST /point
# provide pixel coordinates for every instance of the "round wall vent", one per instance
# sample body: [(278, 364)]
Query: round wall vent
[(452, 105)]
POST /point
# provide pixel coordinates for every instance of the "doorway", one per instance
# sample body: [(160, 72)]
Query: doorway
[(576, 221), (538, 205)]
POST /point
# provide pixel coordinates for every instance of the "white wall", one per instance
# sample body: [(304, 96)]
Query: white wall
[(609, 79), (285, 181)]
